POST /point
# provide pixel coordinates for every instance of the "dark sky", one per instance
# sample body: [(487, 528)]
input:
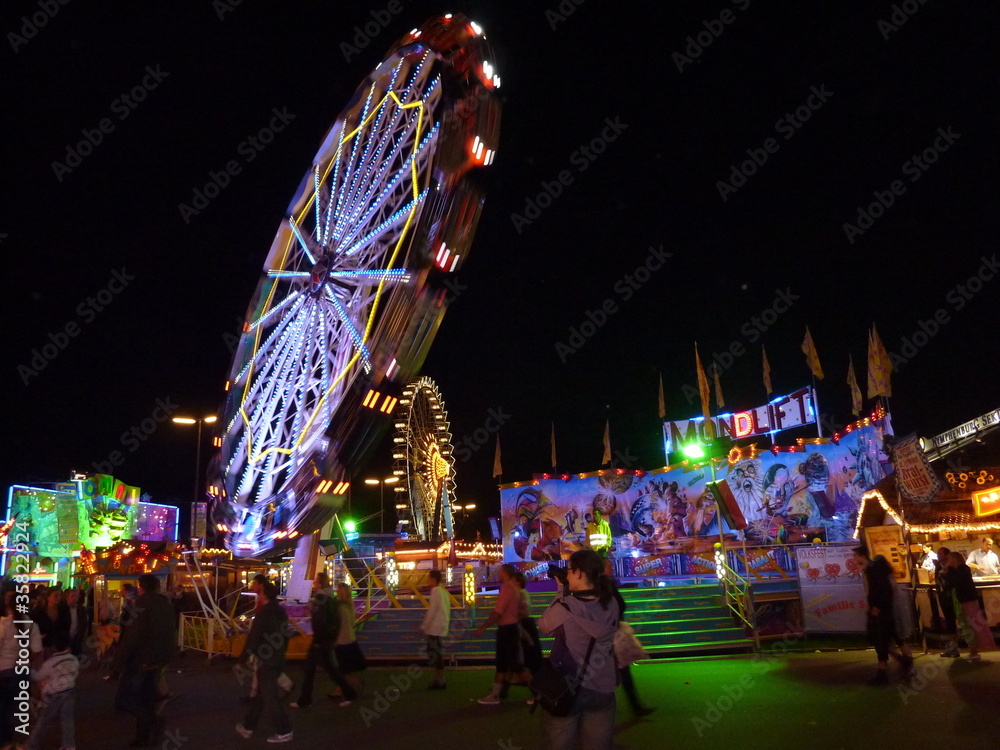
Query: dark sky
[(870, 98)]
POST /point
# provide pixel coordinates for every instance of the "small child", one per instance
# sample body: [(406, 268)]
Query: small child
[(58, 680)]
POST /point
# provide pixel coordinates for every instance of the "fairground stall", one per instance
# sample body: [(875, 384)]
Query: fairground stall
[(957, 510), (768, 506)]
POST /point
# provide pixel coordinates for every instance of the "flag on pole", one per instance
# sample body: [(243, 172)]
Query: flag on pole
[(497, 468), (767, 371), (706, 409), (883, 356), (554, 463), (719, 401), (607, 443), (812, 358), (662, 402), (852, 381), (876, 373)]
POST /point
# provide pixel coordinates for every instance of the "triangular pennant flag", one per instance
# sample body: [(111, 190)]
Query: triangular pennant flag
[(767, 371), (706, 409), (719, 401), (497, 467), (886, 363), (662, 402), (607, 443), (812, 358), (554, 463), (852, 381)]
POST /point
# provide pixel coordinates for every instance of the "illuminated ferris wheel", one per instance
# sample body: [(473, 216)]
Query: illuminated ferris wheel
[(352, 290), (424, 463)]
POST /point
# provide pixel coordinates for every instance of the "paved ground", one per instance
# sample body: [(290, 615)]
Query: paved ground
[(809, 700)]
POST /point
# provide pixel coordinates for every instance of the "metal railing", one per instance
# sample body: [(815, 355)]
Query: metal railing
[(738, 594)]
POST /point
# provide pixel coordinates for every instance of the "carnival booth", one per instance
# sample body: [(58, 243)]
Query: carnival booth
[(943, 509)]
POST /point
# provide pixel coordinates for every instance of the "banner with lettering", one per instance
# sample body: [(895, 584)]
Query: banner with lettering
[(917, 481), (786, 498), (832, 590)]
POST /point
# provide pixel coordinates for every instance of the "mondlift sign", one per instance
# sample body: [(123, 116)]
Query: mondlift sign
[(782, 413)]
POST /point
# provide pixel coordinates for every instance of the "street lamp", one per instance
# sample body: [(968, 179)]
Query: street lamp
[(197, 453), (381, 497)]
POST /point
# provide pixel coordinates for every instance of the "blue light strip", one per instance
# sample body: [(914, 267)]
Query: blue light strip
[(302, 241), (289, 274), (352, 332), (290, 298), (373, 235)]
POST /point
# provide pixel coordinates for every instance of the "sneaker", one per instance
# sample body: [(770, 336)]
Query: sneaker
[(437, 686), (530, 701), (490, 700), (275, 738), (951, 653), (643, 711), (974, 657), (243, 732), (879, 678), (299, 704), (345, 703)]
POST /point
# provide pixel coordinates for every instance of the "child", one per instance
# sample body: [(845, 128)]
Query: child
[(58, 680)]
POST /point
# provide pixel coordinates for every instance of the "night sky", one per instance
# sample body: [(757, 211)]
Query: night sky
[(626, 118)]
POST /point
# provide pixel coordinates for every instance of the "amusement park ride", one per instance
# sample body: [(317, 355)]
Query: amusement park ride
[(351, 294)]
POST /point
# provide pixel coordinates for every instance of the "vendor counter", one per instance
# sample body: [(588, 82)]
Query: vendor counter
[(989, 591)]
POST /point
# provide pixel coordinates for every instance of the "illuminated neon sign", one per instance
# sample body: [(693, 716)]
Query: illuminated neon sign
[(986, 502), (782, 413)]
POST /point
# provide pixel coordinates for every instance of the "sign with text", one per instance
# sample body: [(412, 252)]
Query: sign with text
[(916, 479), (969, 428), (783, 413), (888, 542), (832, 590)]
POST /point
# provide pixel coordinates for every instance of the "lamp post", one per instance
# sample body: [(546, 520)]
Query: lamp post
[(197, 453), (381, 497)]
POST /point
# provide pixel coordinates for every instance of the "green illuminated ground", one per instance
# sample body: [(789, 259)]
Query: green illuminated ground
[(806, 700)]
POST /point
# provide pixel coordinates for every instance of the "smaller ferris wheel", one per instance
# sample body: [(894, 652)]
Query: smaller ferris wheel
[(424, 463)]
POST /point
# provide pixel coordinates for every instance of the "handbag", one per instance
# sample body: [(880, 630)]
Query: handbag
[(554, 689), (628, 648)]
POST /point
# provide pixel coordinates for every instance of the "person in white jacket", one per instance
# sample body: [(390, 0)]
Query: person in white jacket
[(435, 627)]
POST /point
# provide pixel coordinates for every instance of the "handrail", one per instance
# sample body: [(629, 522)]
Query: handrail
[(742, 595)]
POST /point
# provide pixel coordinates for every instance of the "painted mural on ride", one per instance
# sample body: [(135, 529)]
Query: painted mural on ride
[(810, 491)]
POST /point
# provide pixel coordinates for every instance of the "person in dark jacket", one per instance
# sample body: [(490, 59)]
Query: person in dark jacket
[(969, 617), (267, 644), (881, 617), (148, 643), (625, 673), (324, 615), (942, 589)]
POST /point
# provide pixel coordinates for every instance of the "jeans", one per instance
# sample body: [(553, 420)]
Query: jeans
[(267, 697), (137, 694), (58, 706), (322, 653), (590, 726)]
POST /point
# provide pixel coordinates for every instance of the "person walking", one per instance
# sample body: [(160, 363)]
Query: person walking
[(881, 616), (148, 643), (435, 626), (350, 657), (324, 613), (968, 616), (509, 654), (58, 683), (625, 673), (284, 681), (267, 644), (584, 621)]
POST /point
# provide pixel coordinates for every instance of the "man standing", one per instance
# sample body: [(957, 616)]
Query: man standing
[(267, 644), (148, 644), (984, 561), (324, 612), (435, 627), (599, 534)]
